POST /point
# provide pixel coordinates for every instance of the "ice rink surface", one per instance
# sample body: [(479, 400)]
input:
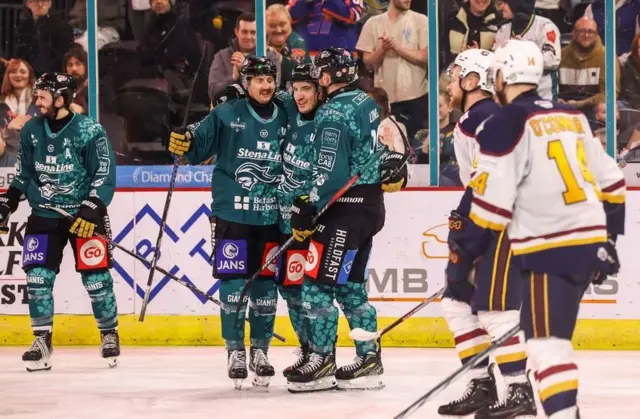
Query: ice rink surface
[(179, 382)]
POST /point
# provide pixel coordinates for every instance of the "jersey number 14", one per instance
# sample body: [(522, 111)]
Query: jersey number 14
[(573, 193)]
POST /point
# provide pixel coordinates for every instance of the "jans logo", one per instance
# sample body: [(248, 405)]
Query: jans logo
[(34, 251), (145, 248), (231, 257)]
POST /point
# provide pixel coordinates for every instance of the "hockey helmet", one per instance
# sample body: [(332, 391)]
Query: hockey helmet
[(476, 61), (303, 72), (338, 62), (59, 85), (519, 61), (258, 66)]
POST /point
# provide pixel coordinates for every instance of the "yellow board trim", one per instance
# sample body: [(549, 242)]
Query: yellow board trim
[(416, 332), (558, 388), (514, 357), (481, 222), (561, 243)]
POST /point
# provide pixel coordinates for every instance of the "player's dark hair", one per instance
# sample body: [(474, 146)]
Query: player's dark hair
[(245, 17)]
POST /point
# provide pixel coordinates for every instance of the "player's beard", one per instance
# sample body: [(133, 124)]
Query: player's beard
[(50, 113)]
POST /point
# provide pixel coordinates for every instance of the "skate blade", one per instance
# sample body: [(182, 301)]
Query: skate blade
[(112, 361), (369, 382), (261, 381), (34, 366), (237, 383), (323, 384)]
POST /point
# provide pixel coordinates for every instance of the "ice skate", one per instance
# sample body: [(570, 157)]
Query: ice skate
[(519, 403), (38, 357), (110, 347), (303, 357), (260, 366), (480, 393), (318, 374), (364, 374), (237, 366)]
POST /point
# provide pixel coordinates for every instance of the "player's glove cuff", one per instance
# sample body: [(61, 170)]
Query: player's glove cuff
[(607, 262), (11, 199), (302, 213), (179, 143), (393, 172), (88, 216)]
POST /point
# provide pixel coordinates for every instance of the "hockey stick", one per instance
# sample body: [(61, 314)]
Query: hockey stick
[(365, 336), (372, 160), (147, 263), (167, 202), (460, 371)]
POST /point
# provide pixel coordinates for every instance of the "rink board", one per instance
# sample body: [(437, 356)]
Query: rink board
[(407, 264)]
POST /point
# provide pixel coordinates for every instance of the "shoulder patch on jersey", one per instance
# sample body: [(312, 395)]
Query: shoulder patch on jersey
[(551, 36), (500, 134), (330, 138)]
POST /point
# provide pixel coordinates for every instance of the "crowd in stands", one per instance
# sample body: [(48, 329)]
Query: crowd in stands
[(149, 52)]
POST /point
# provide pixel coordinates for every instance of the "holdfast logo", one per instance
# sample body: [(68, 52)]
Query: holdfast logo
[(177, 239)]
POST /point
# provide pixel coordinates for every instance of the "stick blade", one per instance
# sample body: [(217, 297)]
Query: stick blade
[(362, 335)]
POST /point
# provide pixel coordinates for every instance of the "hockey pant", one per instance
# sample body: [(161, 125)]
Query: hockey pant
[(336, 268), (548, 317), (290, 275), (480, 312), (44, 242), (239, 251)]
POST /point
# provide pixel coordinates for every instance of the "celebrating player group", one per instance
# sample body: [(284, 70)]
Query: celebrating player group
[(299, 182)]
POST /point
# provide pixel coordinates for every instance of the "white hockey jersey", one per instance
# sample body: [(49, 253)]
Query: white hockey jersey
[(546, 35), (543, 178), (465, 145)]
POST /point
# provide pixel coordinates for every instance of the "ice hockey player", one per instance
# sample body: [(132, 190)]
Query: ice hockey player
[(481, 309), (344, 140), (544, 178), (245, 135), (526, 25), (65, 160), (296, 149)]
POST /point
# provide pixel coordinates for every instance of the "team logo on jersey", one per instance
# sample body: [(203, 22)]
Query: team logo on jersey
[(92, 253), (249, 174), (289, 184), (51, 186)]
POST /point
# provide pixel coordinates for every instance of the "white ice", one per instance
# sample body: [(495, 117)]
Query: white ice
[(186, 382)]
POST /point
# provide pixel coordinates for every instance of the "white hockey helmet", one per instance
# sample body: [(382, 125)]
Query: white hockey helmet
[(477, 61), (520, 62)]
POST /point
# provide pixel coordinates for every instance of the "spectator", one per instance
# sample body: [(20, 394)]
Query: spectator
[(630, 80), (394, 44), (16, 87), (390, 131), (43, 37), (226, 65), (289, 46), (172, 44), (75, 64), (473, 26), (582, 68), (326, 23), (627, 21), (7, 157), (525, 24)]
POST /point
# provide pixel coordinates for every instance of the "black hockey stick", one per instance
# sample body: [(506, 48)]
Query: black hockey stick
[(167, 202), (447, 381), (147, 263), (372, 160), (365, 336)]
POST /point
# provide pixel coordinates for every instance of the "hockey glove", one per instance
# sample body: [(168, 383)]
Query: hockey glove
[(302, 213), (393, 172), (179, 142), (608, 263), (8, 205), (461, 265), (87, 218)]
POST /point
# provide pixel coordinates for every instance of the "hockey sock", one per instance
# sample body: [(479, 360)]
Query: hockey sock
[(263, 302), (323, 316), (233, 336), (469, 336), (299, 321), (511, 357), (556, 374), (352, 298), (40, 289), (99, 285)]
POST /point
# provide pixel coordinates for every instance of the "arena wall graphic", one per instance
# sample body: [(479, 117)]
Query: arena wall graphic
[(406, 266)]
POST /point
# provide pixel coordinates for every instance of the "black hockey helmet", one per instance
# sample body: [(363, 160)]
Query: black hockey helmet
[(338, 62), (231, 92), (59, 85), (302, 72), (258, 66)]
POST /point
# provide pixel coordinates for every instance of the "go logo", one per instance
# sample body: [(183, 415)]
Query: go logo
[(296, 260), (314, 255)]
